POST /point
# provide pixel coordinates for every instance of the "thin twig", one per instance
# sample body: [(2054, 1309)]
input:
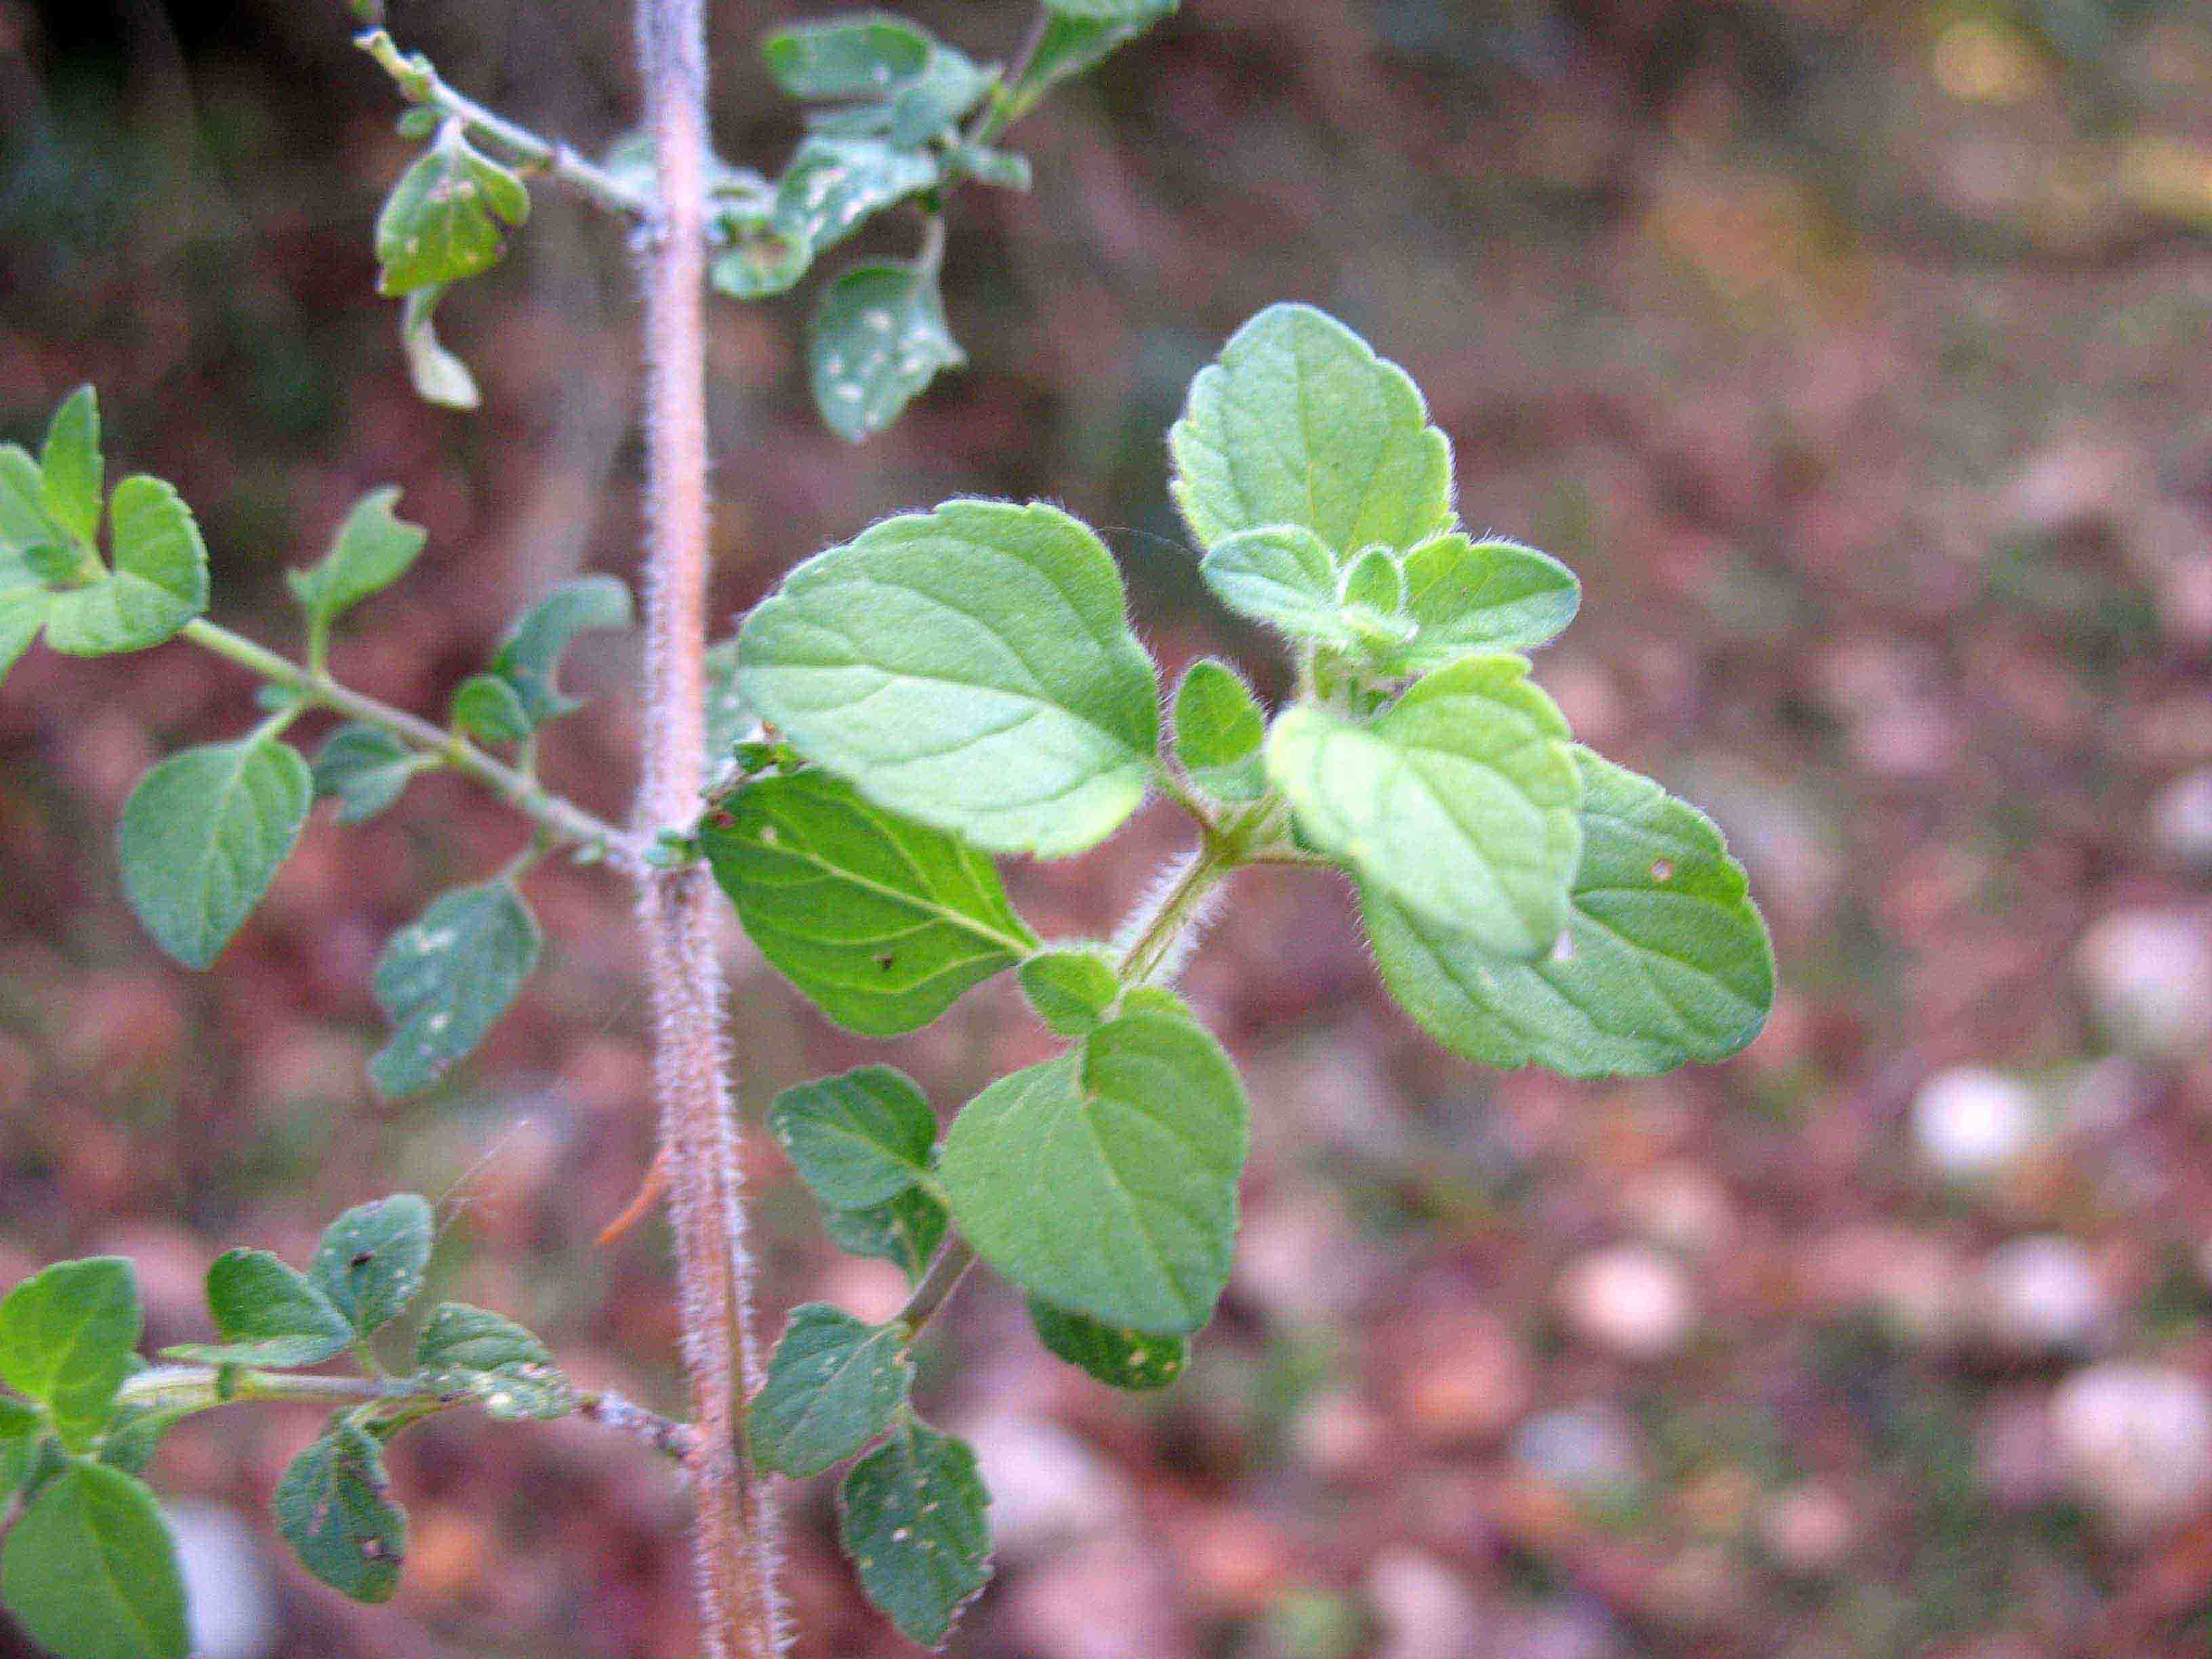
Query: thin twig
[(953, 1261), (734, 1538)]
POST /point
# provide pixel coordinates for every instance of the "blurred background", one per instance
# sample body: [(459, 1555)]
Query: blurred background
[(1858, 356)]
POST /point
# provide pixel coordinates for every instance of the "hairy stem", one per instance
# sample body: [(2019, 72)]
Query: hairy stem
[(1159, 926), (733, 1541), (560, 817)]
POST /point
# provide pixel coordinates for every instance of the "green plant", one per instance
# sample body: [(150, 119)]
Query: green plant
[(946, 688)]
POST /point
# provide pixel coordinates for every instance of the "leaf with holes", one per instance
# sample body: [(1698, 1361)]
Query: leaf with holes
[(1121, 1358), (971, 667), (90, 1572), (370, 1261), (835, 184), (446, 979), (69, 1336), (1138, 1138), (832, 1387), (1299, 422), (1219, 729), (882, 922), (205, 834), (440, 223), (334, 1508), (877, 338), (487, 1355), (1461, 801), (1664, 962), (266, 1314), (914, 1520), (372, 549), (858, 1140), (160, 582)]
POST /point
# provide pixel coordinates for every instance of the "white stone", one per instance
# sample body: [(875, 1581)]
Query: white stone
[(1971, 1122), (2181, 818), (1630, 1300), (229, 1593), (1427, 1611), (2135, 1442), (2149, 974), (1048, 1487), (2042, 1295), (1592, 1452)]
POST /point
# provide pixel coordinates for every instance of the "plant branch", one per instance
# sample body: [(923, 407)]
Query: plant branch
[(419, 82), (734, 1535), (554, 813), (1158, 928), (944, 1276)]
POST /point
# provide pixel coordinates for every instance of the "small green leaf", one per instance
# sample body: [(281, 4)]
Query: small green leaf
[(905, 1232), (729, 720), (90, 1572), (69, 1336), (1490, 595), (927, 104), (1283, 575), (1118, 1357), (1071, 45), (761, 263), (509, 1370), (971, 667), (1461, 801), (24, 521), (364, 769), (833, 184), (489, 709), (372, 550), (858, 1140), (438, 377), (855, 55), (832, 1387), (883, 923), (442, 222), (266, 1314), (205, 834), (69, 465), (530, 658), (334, 1507), (877, 338), (1070, 990), (1116, 11), (1664, 962), (1105, 1181), (159, 584), (1299, 422), (1219, 727), (1375, 581), (370, 1261), (446, 979), (914, 1519), (23, 614)]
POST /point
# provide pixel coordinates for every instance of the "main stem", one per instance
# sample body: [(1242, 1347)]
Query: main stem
[(733, 1538)]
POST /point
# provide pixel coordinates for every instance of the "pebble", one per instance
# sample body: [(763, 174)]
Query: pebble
[(1591, 1450), (1809, 1528), (1630, 1300), (1047, 1486), (1970, 1122), (2041, 1296), (230, 1596), (1469, 1384), (2148, 976), (2135, 1441), (1426, 1610), (2181, 818)]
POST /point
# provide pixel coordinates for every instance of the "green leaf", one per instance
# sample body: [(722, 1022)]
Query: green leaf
[(1664, 962), (69, 465), (1375, 581), (1283, 575), (833, 184), (906, 1231), (914, 1519), (877, 338), (1120, 11), (23, 613), (1299, 422), (1490, 595), (21, 1433), (882, 922), (24, 521), (90, 1572), (205, 834), (489, 709), (1461, 801), (1219, 727), (67, 1337), (134, 1435), (442, 222), (854, 55), (334, 1507), (266, 1314), (159, 584), (18, 1421), (1070, 990), (971, 667), (530, 658), (364, 769), (503, 1365), (445, 979), (372, 550), (729, 719), (858, 1140), (1071, 45), (761, 263), (1118, 1357), (832, 1387), (438, 377), (1105, 1181), (370, 1261), (928, 104)]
